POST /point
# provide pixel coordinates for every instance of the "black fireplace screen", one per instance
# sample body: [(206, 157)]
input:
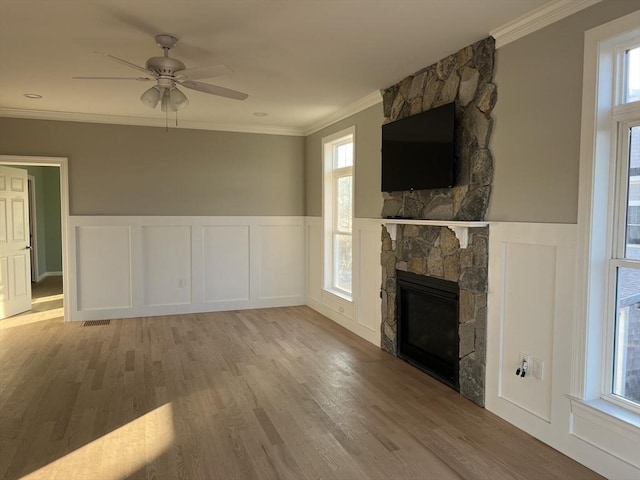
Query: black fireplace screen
[(428, 325)]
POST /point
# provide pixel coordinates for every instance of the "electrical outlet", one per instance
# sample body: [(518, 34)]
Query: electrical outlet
[(537, 368), (523, 365)]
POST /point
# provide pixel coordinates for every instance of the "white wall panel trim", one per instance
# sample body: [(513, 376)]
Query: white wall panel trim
[(187, 264), (591, 422), (570, 428)]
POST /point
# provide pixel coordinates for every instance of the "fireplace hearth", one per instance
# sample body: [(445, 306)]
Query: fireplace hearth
[(427, 310)]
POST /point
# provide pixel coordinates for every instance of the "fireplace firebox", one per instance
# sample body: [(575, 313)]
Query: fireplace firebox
[(427, 309)]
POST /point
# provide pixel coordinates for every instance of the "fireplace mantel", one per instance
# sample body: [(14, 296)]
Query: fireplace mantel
[(461, 229)]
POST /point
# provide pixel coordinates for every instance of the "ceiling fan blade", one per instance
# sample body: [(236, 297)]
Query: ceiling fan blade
[(140, 79), (132, 65), (209, 71), (214, 90)]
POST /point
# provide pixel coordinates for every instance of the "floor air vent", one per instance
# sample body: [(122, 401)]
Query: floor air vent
[(95, 323)]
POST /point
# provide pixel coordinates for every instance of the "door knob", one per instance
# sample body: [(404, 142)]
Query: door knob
[(28, 247)]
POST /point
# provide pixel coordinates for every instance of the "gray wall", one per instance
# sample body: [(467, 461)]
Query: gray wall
[(367, 196), (126, 170), (536, 137)]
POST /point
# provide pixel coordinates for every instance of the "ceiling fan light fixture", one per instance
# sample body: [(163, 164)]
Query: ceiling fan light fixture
[(165, 104), (151, 97), (177, 99)]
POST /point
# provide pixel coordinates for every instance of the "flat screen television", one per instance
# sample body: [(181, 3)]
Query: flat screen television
[(418, 152)]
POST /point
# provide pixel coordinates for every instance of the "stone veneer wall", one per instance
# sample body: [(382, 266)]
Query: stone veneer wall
[(464, 77)]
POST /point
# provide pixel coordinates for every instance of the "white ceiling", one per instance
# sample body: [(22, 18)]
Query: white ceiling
[(299, 61)]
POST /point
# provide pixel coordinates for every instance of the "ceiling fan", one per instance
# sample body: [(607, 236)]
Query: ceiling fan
[(169, 72)]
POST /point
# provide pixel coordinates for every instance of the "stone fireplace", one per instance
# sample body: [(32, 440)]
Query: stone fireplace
[(431, 243), (434, 251), (427, 311)]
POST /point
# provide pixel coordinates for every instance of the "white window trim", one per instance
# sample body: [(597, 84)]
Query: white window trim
[(597, 179), (329, 175)]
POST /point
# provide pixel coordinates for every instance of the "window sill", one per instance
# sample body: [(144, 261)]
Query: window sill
[(609, 409), (607, 426), (339, 294)]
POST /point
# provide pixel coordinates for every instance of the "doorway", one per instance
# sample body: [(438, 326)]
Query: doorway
[(60, 165)]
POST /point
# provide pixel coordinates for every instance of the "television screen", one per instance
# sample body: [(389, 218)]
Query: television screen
[(418, 152)]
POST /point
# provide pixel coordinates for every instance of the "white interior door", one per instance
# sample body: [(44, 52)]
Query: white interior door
[(15, 255)]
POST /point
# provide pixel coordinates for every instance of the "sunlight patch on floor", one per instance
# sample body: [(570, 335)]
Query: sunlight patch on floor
[(120, 453), (50, 298), (32, 317)]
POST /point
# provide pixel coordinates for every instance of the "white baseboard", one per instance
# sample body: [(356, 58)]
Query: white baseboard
[(47, 274), (346, 322)]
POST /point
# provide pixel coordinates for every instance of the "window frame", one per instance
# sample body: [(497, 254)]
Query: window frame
[(603, 110), (330, 206), (623, 119)]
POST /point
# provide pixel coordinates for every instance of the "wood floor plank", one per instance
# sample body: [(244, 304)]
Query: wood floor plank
[(279, 393)]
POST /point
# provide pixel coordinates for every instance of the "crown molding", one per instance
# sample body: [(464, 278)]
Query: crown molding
[(144, 121), (365, 102), (537, 19)]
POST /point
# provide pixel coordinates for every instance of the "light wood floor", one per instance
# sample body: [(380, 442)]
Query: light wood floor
[(263, 394)]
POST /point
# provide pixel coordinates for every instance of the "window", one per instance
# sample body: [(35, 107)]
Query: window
[(623, 365), (632, 77), (338, 211), (625, 267), (607, 362)]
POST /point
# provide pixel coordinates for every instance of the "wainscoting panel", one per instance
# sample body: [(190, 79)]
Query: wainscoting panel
[(609, 434), (314, 259), (145, 266), (226, 263), (528, 302), (367, 265), (102, 267), (530, 310), (166, 265), (362, 314), (281, 257)]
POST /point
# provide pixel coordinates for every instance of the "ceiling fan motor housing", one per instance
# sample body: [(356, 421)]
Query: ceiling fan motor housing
[(164, 66)]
